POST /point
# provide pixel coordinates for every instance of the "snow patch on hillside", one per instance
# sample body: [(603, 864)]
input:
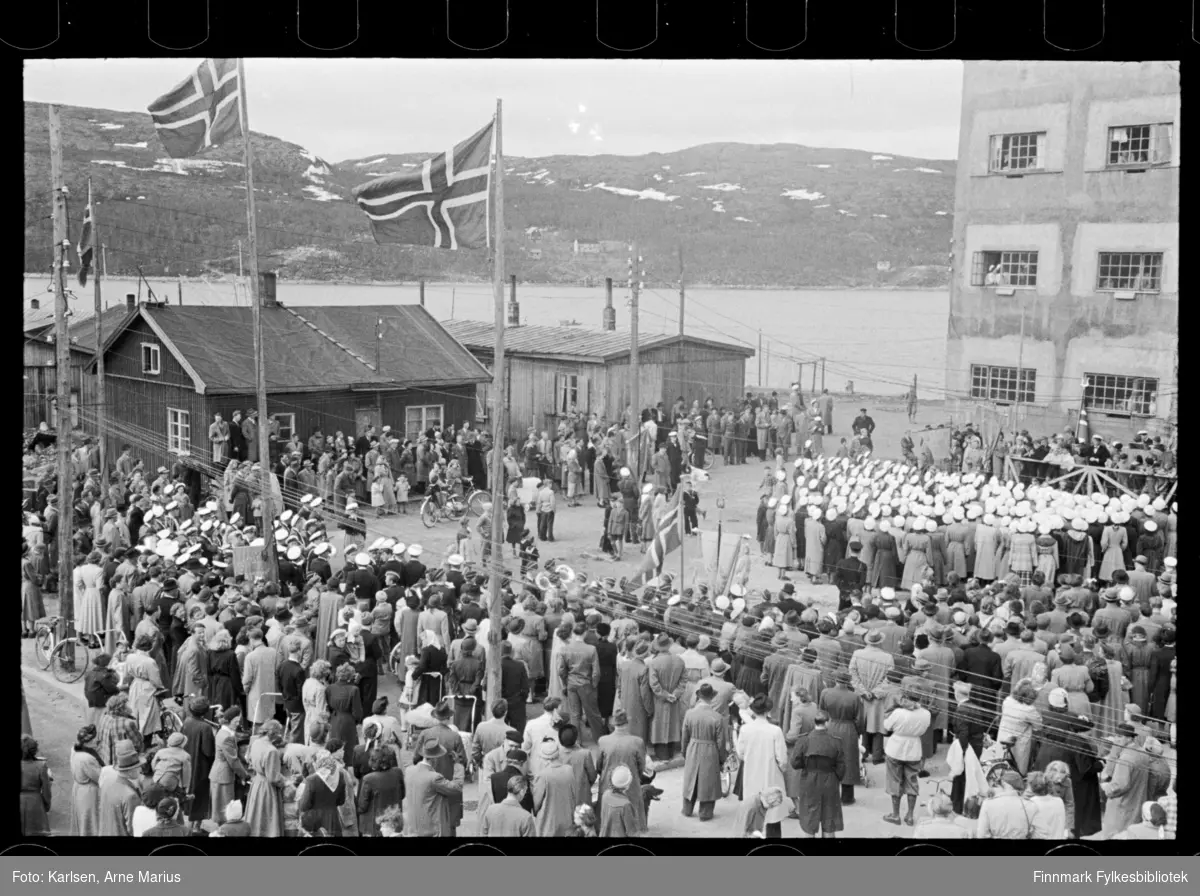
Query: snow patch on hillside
[(878, 216), (318, 166), (372, 162), (820, 166), (141, 145), (692, 174), (801, 193), (724, 188), (320, 194), (745, 220), (658, 177), (941, 213), (927, 170), (881, 158), (109, 126), (718, 206), (540, 174), (824, 205), (666, 167), (656, 195)]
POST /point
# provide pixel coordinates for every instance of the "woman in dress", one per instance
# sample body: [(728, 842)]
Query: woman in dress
[(1023, 551), (142, 678), (1151, 544), (784, 530), (1138, 657), (1113, 542), (555, 686), (383, 489), (33, 607), (431, 669), (35, 790), (382, 789), (337, 653), (312, 695), (1075, 680), (264, 803), (882, 572), (115, 725), (1047, 552), (89, 605), (85, 788), (345, 708), (322, 797), (914, 551), (224, 675)]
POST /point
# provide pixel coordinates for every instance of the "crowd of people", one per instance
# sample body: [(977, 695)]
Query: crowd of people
[(1029, 630)]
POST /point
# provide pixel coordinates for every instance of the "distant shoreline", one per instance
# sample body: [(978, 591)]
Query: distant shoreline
[(392, 283)]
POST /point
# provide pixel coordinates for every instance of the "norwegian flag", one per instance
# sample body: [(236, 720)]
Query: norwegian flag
[(444, 204), (202, 112), (86, 245), (666, 539)]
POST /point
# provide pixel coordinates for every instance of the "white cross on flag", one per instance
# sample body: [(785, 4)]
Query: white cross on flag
[(202, 112), (444, 204)]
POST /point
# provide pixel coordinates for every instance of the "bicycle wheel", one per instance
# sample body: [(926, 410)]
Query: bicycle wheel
[(43, 646), (455, 511), (476, 501), (429, 513), (169, 722), (69, 660)]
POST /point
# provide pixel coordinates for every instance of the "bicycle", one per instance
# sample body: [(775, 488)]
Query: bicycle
[(475, 498), (450, 507), (68, 659)]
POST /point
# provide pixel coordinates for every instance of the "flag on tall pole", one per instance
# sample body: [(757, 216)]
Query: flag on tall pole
[(202, 111), (444, 204), (1083, 429), (86, 245)]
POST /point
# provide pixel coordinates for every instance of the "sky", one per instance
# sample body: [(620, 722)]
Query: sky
[(354, 108)]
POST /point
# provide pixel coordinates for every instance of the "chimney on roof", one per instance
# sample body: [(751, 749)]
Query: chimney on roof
[(609, 319), (514, 310), (130, 301), (266, 289), (34, 304)]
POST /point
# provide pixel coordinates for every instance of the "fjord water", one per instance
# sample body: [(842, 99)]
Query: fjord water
[(879, 339)]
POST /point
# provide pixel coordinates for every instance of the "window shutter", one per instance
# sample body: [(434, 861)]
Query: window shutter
[(585, 398), (559, 389), (977, 269), (1041, 151), (994, 151), (1163, 143)]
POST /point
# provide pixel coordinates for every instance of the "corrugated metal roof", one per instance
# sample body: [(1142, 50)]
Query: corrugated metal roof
[(577, 341)]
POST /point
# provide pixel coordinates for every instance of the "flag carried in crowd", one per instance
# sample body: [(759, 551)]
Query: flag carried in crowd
[(201, 112), (444, 204), (667, 538), (86, 246)]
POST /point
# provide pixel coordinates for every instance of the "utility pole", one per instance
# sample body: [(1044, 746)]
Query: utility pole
[(101, 421), (378, 344), (62, 360), (767, 360), (1016, 421), (422, 285), (813, 390), (179, 286), (681, 293), (495, 599), (240, 274), (453, 293), (264, 446), (760, 356), (104, 259), (822, 374)]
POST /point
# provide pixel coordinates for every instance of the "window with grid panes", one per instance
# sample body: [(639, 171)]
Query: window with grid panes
[(1139, 144), (1003, 383), (1137, 271), (1004, 269), (179, 431), (1017, 152), (1135, 395), (418, 418)]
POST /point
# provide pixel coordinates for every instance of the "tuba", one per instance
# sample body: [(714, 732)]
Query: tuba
[(565, 574), (543, 582)]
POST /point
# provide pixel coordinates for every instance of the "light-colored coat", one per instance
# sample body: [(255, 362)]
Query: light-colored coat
[(763, 751), (258, 679), (704, 754), (785, 540), (985, 552), (629, 751), (868, 675), (1113, 542), (506, 819), (666, 675), (814, 546), (554, 801)]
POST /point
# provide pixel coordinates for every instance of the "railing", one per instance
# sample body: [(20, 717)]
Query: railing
[(1089, 479)]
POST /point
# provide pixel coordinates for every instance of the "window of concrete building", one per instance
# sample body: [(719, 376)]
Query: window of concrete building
[(1139, 144), (1003, 383), (1134, 271), (1120, 394), (996, 268), (1017, 152)]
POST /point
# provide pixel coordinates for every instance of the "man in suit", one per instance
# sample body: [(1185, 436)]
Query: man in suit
[(849, 575), (450, 762), (227, 768), (260, 680), (983, 669), (514, 686), (490, 734), (514, 768), (579, 670), (606, 654), (433, 802), (361, 580)]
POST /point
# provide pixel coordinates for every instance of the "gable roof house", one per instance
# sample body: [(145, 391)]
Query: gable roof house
[(552, 370), (169, 369)]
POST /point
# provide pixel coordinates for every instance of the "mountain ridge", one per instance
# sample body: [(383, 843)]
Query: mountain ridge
[(746, 215)]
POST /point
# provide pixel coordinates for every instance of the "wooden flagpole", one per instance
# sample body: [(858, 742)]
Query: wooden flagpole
[(260, 386), (495, 603)]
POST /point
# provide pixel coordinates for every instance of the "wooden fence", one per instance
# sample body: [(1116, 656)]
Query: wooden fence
[(1089, 480)]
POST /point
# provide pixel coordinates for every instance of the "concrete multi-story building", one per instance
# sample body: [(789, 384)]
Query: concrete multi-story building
[(1065, 260)]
